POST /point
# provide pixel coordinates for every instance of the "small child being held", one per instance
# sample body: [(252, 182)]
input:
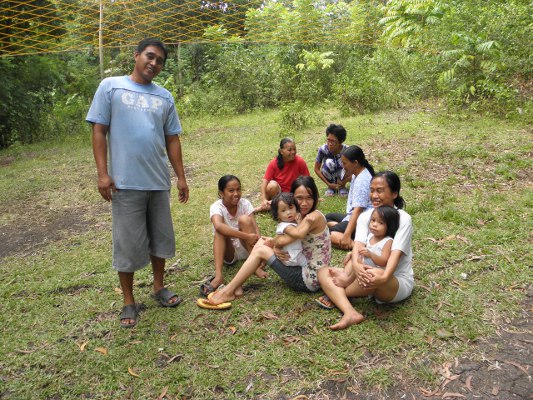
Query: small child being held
[(382, 227), (285, 211)]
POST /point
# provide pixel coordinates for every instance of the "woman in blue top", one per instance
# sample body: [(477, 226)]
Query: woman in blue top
[(342, 226)]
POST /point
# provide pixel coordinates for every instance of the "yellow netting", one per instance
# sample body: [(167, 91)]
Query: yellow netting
[(48, 26)]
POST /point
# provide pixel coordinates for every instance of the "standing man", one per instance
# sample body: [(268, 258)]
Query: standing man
[(138, 122)]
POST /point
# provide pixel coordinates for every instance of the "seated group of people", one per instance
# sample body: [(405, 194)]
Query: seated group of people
[(375, 227)]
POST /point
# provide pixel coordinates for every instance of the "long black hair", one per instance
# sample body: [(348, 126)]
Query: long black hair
[(308, 183), (355, 153), (393, 181), (283, 142)]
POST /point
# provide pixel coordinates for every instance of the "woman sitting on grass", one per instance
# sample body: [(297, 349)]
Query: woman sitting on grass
[(316, 248), (342, 226), (281, 173), (391, 284), (235, 231)]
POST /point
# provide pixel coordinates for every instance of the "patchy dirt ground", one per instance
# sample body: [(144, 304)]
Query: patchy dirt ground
[(499, 367), (27, 234)]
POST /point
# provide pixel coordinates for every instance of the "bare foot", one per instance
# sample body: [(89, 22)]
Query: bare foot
[(239, 292), (339, 277), (221, 296), (348, 320)]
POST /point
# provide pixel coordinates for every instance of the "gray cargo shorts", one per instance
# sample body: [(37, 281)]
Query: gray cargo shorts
[(142, 227)]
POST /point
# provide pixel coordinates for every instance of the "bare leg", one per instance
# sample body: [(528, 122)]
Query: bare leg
[(338, 296), (388, 291), (228, 293), (158, 267), (222, 249), (336, 238), (272, 190), (126, 284), (249, 225)]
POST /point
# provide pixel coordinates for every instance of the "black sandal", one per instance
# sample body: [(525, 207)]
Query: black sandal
[(206, 288), (131, 311)]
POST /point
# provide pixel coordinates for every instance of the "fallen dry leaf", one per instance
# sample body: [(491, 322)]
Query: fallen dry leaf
[(428, 393), (468, 382), (443, 333), (102, 350), (454, 395), (83, 345), (291, 339), (176, 357), (300, 397), (517, 366), (463, 239), (250, 386), (24, 351), (450, 379), (495, 390), (132, 372), (163, 393), (269, 315), (118, 290)]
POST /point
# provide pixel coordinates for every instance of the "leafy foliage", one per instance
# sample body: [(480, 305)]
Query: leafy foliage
[(360, 57)]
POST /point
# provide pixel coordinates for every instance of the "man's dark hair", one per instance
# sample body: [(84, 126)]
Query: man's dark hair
[(338, 131), (143, 44)]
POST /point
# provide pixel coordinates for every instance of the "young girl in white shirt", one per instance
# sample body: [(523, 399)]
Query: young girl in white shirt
[(235, 230), (382, 227)]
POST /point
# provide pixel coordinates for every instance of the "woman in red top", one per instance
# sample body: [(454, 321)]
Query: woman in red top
[(281, 172)]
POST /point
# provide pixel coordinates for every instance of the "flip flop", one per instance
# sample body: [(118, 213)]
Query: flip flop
[(164, 295), (206, 288), (131, 311), (203, 303), (325, 302)]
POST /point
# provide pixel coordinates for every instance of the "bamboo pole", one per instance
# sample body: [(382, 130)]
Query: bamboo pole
[(101, 40)]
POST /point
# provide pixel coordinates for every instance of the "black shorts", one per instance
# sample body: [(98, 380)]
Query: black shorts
[(291, 275), (341, 225)]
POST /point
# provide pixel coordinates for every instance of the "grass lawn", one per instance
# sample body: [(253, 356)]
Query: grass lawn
[(467, 181)]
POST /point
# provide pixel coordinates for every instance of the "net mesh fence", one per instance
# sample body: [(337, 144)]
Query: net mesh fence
[(39, 26)]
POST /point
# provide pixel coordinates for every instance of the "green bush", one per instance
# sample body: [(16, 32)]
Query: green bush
[(298, 115)]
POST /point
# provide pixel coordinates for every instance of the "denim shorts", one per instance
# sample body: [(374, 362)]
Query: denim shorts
[(142, 227)]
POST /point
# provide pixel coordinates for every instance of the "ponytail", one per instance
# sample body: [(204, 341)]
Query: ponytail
[(355, 153)]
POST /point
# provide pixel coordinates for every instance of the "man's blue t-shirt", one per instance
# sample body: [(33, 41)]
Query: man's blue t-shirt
[(139, 117)]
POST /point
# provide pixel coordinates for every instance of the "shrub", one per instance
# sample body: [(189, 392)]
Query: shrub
[(297, 115)]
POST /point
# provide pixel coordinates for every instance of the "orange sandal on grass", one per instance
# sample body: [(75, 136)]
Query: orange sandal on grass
[(325, 302)]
